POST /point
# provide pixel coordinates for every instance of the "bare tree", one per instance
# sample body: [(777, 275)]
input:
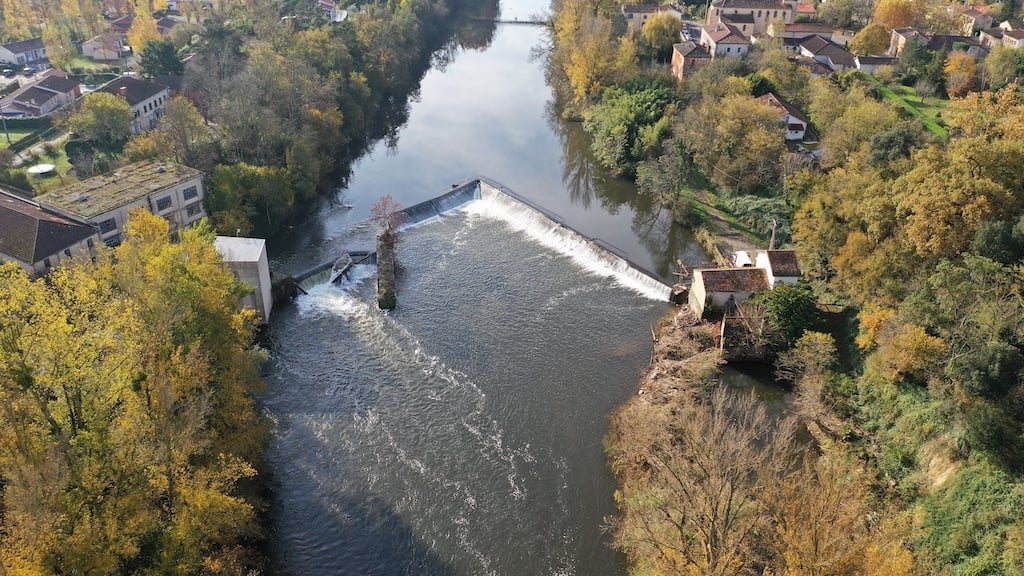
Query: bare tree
[(695, 510)]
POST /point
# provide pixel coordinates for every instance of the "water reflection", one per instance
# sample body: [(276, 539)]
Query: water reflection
[(585, 181)]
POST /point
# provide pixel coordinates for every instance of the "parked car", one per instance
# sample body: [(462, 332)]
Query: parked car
[(28, 70), (7, 72)]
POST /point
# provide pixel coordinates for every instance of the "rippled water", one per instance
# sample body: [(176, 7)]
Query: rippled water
[(462, 433)]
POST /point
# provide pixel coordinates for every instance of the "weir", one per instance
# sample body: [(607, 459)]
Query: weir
[(493, 200)]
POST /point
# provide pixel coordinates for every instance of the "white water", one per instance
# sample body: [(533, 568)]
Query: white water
[(497, 205)]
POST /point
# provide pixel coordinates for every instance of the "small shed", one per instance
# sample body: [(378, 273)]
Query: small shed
[(781, 266), (247, 257), (719, 288)]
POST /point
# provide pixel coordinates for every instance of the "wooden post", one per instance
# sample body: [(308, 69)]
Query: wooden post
[(387, 297)]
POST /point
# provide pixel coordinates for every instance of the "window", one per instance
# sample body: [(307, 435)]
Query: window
[(728, 49), (113, 240), (193, 209), (190, 193), (46, 262), (67, 252), (163, 204), (108, 226), (758, 13), (90, 243)]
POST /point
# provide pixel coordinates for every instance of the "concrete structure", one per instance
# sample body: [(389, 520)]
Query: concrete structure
[(247, 257), (687, 58), (792, 118), (169, 190), (724, 40), (37, 240), (147, 100), (638, 14), (757, 14), (23, 53), (719, 289)]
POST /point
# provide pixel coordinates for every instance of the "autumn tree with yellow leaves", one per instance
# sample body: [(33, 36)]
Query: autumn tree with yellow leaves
[(126, 413)]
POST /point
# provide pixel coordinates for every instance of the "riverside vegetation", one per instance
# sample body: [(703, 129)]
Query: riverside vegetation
[(915, 241), (130, 442)]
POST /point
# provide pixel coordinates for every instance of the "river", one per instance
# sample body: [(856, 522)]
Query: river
[(462, 434)]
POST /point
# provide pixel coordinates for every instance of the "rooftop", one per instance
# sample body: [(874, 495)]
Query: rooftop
[(234, 249), (783, 262), (779, 103), (35, 96), (134, 91), (58, 84), (25, 45), (647, 8), (734, 279), (30, 234), (769, 4), (100, 194), (722, 33), (691, 50)]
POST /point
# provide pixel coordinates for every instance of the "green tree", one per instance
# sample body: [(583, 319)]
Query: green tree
[(791, 309), (660, 32), (873, 39), (160, 57), (628, 122), (104, 119)]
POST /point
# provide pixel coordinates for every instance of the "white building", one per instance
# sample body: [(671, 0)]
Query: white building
[(724, 40), (147, 99), (247, 257), (638, 14), (169, 190), (780, 266)]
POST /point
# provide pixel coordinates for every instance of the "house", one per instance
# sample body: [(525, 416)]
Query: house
[(761, 13), (638, 14), (103, 47), (165, 25), (123, 24), (23, 53), (147, 100), (719, 289), (792, 118), (901, 36), (687, 58), (331, 10), (946, 43), (49, 91), (37, 240), (165, 189), (724, 40), (869, 64), (799, 30), (247, 258), (828, 53), (974, 20), (1012, 33)]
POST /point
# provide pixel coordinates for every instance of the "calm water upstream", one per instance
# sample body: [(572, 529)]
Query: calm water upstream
[(462, 434)]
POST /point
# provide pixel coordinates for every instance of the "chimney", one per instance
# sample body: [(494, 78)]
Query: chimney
[(123, 91)]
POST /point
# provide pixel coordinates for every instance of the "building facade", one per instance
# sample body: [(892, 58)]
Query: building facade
[(38, 240), (758, 14), (148, 100), (169, 190)]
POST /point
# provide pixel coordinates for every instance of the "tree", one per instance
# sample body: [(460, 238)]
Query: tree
[(694, 509), (961, 73), (186, 130), (60, 47), (893, 14), (104, 119), (143, 31), (590, 57), (791, 309), (1002, 64), (873, 39), (626, 122), (160, 57), (660, 32)]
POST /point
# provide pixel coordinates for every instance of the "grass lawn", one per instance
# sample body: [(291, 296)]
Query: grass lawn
[(927, 109), (15, 136), (88, 66), (56, 179)]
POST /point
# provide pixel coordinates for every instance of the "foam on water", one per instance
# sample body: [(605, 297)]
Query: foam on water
[(497, 205)]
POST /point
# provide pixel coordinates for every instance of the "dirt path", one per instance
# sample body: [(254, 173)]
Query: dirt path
[(728, 238)]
